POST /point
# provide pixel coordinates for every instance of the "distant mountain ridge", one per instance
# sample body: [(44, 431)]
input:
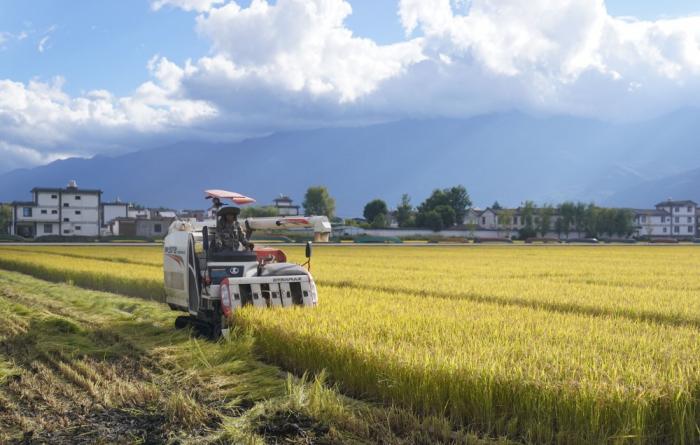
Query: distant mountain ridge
[(509, 157)]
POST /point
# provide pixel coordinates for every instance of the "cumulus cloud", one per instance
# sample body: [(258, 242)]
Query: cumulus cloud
[(565, 56), (303, 46), (39, 121), (459, 59), (295, 63)]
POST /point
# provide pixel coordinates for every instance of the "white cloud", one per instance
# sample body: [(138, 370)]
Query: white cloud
[(7, 37), (303, 46), (41, 118), (17, 156), (43, 44), (295, 63), (566, 56), (459, 58), (187, 5), (44, 41)]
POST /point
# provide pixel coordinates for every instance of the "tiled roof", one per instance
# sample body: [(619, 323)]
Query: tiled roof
[(64, 190), (651, 212), (672, 203)]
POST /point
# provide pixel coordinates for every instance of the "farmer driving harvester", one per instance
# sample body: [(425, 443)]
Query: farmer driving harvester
[(229, 234)]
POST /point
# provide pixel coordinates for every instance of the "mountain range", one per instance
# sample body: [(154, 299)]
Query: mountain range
[(509, 157)]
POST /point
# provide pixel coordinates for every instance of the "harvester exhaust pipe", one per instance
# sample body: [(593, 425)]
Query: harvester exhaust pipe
[(308, 255)]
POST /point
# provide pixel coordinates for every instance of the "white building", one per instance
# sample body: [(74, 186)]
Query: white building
[(681, 220), (58, 211), (652, 222), (284, 206), (113, 210), (138, 213)]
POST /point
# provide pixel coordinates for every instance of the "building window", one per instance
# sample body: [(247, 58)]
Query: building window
[(677, 219), (65, 204), (157, 228), (690, 209), (676, 229), (664, 229), (27, 212), (43, 211), (77, 198), (54, 196), (644, 219), (77, 212), (54, 212), (483, 220), (677, 209), (66, 231), (66, 220), (690, 229), (77, 227), (48, 228)]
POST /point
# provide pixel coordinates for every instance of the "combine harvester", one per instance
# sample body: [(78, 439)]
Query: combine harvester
[(211, 268)]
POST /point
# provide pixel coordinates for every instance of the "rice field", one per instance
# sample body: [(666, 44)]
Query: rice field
[(540, 344)]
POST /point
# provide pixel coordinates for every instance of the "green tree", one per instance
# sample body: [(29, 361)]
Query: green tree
[(624, 222), (591, 223), (567, 213), (5, 218), (317, 201), (404, 211), (459, 200), (527, 213), (260, 211), (545, 221), (379, 221), (375, 208), (447, 214), (580, 217), (559, 227), (505, 221), (432, 220), (456, 197), (496, 206)]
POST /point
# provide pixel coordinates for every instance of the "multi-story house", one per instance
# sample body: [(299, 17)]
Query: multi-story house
[(652, 222), (58, 211), (681, 217)]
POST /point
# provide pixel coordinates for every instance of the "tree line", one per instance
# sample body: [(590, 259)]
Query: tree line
[(446, 208)]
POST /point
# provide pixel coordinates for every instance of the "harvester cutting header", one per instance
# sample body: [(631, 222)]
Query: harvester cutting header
[(213, 268)]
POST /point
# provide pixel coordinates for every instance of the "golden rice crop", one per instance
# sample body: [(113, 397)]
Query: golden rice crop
[(545, 344), (130, 279)]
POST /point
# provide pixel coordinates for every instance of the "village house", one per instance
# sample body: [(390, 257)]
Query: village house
[(285, 207), (68, 211)]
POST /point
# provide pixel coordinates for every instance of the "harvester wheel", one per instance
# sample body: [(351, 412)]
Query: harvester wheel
[(182, 322)]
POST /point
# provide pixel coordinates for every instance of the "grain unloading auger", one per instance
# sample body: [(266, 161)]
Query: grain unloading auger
[(212, 268)]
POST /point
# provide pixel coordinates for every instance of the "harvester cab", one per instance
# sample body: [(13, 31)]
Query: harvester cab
[(211, 268)]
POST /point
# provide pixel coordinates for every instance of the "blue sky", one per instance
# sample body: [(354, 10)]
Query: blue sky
[(84, 77), (106, 44)]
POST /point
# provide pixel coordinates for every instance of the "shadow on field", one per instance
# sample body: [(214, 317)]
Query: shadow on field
[(77, 385)]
